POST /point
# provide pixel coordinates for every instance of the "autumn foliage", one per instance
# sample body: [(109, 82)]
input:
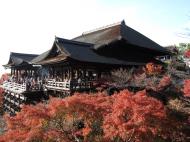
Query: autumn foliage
[(129, 121), (187, 54), (125, 116), (186, 88), (152, 68), (164, 82), (26, 125)]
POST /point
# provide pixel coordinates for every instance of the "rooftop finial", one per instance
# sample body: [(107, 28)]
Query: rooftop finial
[(123, 22), (56, 39)]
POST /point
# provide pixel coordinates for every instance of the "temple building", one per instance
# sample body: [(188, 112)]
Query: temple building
[(77, 64)]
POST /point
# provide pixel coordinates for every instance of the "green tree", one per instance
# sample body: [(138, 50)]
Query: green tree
[(182, 48)]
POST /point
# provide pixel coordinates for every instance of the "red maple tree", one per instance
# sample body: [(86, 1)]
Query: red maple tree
[(186, 88), (125, 116), (187, 54)]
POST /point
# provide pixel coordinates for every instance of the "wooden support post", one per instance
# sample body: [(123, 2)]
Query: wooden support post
[(84, 72), (19, 73), (53, 71), (14, 72), (16, 75), (77, 73), (25, 73), (98, 75), (31, 72), (11, 71), (62, 73), (71, 73)]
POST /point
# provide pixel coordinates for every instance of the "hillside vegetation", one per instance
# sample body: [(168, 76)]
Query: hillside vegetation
[(148, 105)]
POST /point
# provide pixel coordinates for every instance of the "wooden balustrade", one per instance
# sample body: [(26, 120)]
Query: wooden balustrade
[(15, 94), (14, 87), (81, 85), (68, 85), (54, 85), (19, 88)]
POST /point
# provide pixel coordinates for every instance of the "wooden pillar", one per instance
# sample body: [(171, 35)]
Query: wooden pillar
[(11, 71), (65, 74), (31, 72), (84, 73), (62, 73), (98, 74), (77, 73), (16, 74), (25, 73), (53, 71), (19, 73), (71, 73)]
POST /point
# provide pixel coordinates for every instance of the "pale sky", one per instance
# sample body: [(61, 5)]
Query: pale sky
[(29, 26)]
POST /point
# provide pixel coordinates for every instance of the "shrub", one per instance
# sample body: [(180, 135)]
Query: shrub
[(187, 54), (186, 88), (176, 104), (122, 76), (155, 82), (152, 68)]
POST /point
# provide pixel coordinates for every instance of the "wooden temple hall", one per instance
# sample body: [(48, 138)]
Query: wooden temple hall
[(76, 64)]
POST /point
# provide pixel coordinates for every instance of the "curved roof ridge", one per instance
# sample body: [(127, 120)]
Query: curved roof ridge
[(19, 53), (58, 39), (104, 27)]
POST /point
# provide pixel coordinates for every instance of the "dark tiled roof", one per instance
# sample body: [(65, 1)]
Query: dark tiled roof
[(40, 57), (87, 47), (16, 59), (23, 56), (103, 36), (82, 52)]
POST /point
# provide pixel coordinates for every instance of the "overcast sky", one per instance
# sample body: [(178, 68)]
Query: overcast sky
[(30, 26)]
